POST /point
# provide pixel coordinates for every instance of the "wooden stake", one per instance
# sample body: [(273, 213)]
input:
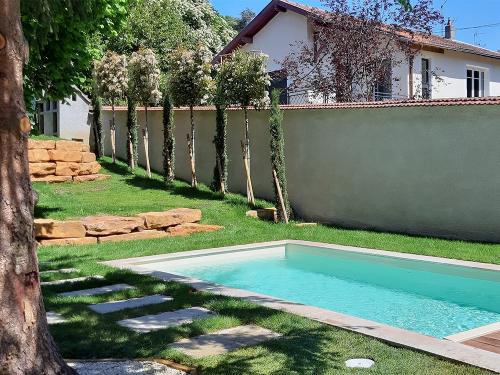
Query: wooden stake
[(113, 140), (146, 143), (250, 196), (194, 182), (145, 137), (280, 196), (221, 180)]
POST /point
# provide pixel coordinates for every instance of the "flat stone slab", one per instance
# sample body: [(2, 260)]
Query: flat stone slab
[(96, 291), (222, 341), (62, 270), (109, 307), (71, 281), (123, 368), (148, 323), (55, 318)]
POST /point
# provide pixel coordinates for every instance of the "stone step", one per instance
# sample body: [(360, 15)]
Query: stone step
[(109, 307), (222, 341), (96, 291), (62, 270), (168, 319), (71, 281), (55, 318)]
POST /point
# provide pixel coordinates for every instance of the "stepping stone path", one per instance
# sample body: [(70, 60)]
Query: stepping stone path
[(55, 318), (109, 307), (71, 281), (223, 341), (96, 291), (150, 323), (62, 270)]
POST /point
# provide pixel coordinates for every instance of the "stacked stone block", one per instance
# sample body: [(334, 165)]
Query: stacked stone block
[(98, 229), (62, 161)]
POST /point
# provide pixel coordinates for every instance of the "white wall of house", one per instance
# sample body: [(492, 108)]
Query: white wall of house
[(278, 37), (75, 120), (275, 39), (69, 118)]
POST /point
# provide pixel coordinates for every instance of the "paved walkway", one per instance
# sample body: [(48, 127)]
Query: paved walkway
[(113, 306), (96, 291), (223, 341), (148, 323), (71, 281), (123, 368)]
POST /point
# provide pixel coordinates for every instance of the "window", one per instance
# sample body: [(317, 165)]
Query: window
[(426, 79), (475, 83), (54, 123), (383, 86), (47, 106), (73, 97), (279, 81), (54, 105), (41, 123)]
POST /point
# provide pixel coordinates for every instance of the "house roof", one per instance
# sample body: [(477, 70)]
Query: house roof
[(277, 6)]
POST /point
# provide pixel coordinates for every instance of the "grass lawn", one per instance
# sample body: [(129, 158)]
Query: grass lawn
[(307, 347)]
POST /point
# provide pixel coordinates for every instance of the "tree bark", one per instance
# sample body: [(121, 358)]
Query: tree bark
[(26, 346), (146, 143)]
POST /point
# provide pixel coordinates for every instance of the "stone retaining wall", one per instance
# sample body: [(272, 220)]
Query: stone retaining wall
[(97, 229), (62, 161)]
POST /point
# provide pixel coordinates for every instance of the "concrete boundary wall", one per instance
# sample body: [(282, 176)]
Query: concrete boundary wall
[(427, 170)]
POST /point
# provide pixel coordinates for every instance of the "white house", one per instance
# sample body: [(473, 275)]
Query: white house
[(69, 118), (464, 70)]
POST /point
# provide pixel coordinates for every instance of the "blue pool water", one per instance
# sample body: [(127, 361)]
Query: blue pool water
[(429, 298)]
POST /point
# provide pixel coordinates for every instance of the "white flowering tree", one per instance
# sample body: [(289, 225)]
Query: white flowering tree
[(191, 84), (110, 75), (246, 85), (144, 83)]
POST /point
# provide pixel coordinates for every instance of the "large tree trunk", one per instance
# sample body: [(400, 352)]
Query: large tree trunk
[(26, 346)]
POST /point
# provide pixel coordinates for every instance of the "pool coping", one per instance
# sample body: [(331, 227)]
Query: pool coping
[(444, 348)]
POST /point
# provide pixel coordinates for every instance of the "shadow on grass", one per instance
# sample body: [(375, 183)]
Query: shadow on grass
[(42, 212)]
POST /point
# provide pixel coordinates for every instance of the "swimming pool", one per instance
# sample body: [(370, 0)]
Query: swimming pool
[(430, 298)]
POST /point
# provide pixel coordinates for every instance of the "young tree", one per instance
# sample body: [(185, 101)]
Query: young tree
[(144, 81), (190, 84), (168, 139), (357, 44), (246, 86), (110, 75), (26, 346), (278, 158)]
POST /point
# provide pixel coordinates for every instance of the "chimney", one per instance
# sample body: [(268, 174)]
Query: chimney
[(449, 30)]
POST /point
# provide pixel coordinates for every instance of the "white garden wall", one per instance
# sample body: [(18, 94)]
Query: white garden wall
[(428, 170)]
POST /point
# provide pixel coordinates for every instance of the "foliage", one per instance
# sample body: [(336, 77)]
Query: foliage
[(110, 75), (239, 24), (132, 157), (278, 155), (246, 79), (144, 77), (60, 34), (220, 142), (97, 121), (168, 139), (190, 76), (163, 25), (354, 50)]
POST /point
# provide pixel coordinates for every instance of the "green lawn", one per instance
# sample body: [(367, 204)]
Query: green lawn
[(307, 347)]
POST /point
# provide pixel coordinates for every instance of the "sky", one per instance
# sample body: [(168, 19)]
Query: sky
[(464, 13)]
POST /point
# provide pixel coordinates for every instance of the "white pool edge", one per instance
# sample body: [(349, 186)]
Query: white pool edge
[(396, 336)]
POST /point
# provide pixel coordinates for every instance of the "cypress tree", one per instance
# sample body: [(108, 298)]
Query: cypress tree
[(220, 149), (132, 131), (97, 123), (168, 139), (278, 154)]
